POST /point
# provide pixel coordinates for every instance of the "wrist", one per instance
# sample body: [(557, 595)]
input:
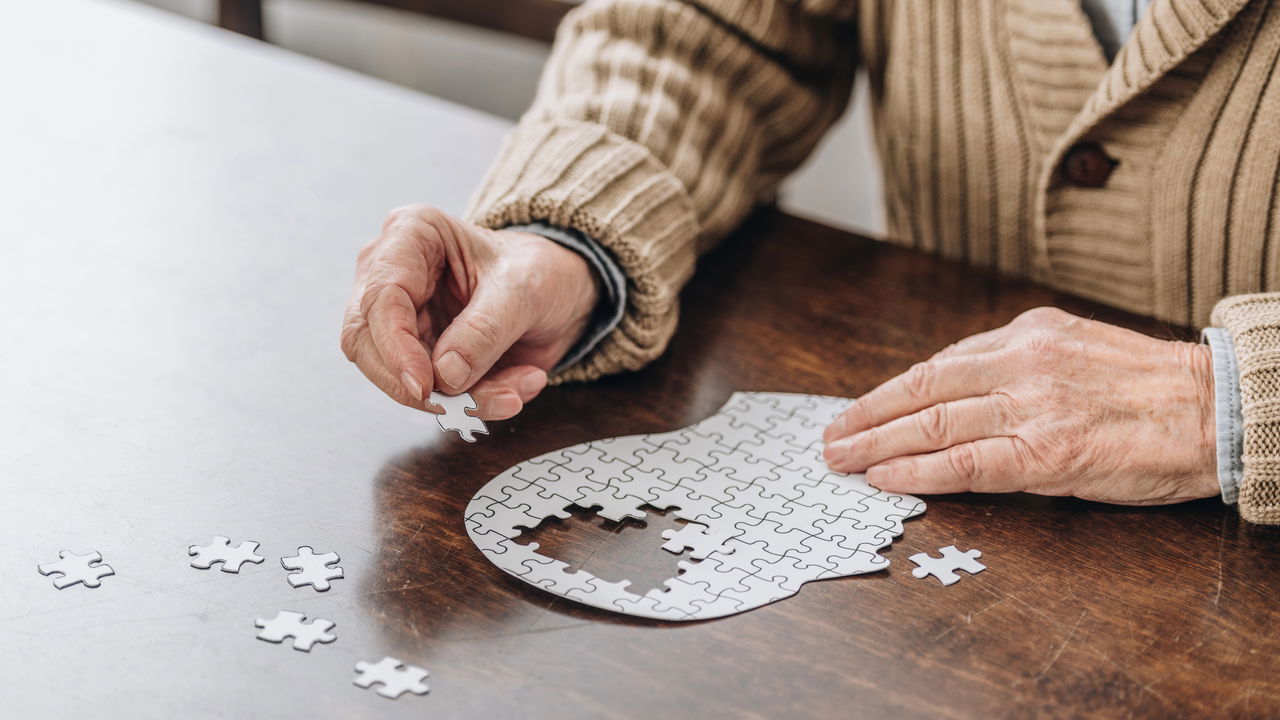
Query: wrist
[(566, 287), (1199, 362)]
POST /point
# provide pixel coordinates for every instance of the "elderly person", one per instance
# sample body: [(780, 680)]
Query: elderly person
[(1127, 151)]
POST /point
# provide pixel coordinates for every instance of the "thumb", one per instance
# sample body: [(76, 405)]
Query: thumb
[(476, 338)]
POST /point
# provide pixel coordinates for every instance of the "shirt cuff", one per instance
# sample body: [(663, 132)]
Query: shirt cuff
[(613, 283), (1228, 411)]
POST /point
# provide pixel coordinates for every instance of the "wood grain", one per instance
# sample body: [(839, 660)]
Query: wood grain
[(1085, 609)]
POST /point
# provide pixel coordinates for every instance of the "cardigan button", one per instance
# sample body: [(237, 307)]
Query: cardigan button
[(1086, 165)]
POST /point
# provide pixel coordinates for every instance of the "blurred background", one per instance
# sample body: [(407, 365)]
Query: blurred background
[(487, 54)]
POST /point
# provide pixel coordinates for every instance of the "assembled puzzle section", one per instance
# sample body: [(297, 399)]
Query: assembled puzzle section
[(764, 513)]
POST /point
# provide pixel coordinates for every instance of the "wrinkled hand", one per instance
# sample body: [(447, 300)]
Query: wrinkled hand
[(1051, 404), (443, 304)]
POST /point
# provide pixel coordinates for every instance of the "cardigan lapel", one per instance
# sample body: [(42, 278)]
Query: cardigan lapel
[(1167, 34)]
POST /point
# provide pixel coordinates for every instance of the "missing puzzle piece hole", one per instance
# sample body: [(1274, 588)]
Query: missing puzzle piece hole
[(611, 550)]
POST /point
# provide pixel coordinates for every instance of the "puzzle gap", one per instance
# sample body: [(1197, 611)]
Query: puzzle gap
[(612, 551)]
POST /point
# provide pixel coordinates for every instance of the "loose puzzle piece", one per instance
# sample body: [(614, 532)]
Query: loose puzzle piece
[(944, 568), (221, 551), (290, 624), (456, 417), (70, 569), (764, 514), (396, 677), (314, 569)]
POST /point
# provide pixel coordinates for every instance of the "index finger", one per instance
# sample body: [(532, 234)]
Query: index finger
[(924, 385), (393, 326)]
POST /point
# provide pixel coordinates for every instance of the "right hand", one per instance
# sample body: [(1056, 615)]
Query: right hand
[(447, 305)]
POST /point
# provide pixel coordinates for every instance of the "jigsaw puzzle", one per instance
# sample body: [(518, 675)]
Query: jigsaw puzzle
[(221, 551), (313, 569), (288, 624), (395, 677), (944, 568), (71, 569), (765, 514), (456, 417)]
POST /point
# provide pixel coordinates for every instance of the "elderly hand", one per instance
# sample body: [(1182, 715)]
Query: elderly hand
[(447, 305), (1051, 404)]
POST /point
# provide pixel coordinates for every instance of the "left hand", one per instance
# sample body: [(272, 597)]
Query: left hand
[(1051, 404)]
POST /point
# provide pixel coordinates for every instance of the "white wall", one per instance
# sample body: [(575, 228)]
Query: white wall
[(497, 73)]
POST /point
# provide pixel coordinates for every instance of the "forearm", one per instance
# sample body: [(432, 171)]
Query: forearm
[(656, 128)]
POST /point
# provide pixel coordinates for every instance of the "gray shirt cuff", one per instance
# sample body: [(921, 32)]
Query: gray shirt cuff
[(613, 285), (1228, 411)]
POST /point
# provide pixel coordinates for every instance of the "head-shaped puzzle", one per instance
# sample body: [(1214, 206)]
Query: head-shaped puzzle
[(765, 514)]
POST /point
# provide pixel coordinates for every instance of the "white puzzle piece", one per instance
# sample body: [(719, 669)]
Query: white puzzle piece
[(313, 569), (944, 568), (395, 677), (288, 624), (70, 569), (764, 513), (222, 551), (456, 417)]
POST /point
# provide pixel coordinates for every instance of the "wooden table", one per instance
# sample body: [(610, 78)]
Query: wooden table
[(180, 213)]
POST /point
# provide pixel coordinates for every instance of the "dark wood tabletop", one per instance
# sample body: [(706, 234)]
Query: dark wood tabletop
[(170, 371)]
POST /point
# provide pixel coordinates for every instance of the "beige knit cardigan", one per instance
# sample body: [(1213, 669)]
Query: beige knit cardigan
[(658, 125)]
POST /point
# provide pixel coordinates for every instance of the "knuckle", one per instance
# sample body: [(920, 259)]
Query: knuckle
[(349, 341), (406, 213), (1043, 346), (946, 352), (353, 325), (1043, 316), (919, 380), (932, 422), (1005, 407), (963, 461), (369, 296), (857, 416), (869, 442), (486, 327), (368, 250), (417, 223)]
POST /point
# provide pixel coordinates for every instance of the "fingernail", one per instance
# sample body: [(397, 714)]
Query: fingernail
[(532, 383), (505, 405), (880, 474), (412, 385), (453, 369)]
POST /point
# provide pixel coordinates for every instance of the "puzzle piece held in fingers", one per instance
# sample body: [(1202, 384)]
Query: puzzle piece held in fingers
[(456, 417)]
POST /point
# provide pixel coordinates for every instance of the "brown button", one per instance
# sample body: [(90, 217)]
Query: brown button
[(1087, 166)]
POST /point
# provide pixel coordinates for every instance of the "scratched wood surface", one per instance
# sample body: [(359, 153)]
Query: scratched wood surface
[(173, 275)]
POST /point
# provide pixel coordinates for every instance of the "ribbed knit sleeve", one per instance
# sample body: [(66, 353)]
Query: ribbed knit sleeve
[(1254, 324), (657, 126)]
